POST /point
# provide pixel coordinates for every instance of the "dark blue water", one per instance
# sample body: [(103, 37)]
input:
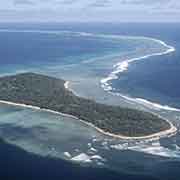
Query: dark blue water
[(18, 164), (154, 79), (139, 81), (20, 50)]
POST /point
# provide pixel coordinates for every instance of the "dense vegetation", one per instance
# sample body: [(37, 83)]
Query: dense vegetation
[(47, 92)]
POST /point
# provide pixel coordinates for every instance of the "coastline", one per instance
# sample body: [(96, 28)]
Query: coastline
[(166, 133), (123, 66), (119, 67)]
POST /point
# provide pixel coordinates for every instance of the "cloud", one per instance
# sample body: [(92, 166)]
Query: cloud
[(23, 2), (100, 3), (66, 2), (95, 10), (142, 2)]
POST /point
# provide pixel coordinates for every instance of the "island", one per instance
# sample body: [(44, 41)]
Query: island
[(50, 93)]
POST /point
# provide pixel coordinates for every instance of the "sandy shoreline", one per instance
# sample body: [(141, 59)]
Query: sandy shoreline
[(169, 132), (66, 85)]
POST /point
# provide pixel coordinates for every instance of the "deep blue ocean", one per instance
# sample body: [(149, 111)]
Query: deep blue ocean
[(20, 49), (156, 78), (23, 48)]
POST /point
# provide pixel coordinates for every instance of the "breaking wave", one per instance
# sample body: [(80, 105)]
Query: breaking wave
[(123, 66), (120, 67)]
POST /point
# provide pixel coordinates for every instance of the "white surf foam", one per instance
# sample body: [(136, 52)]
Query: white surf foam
[(156, 105), (82, 158), (157, 150), (119, 67), (123, 66), (153, 148), (97, 157), (67, 154), (177, 147), (150, 104), (93, 150), (85, 158), (66, 85)]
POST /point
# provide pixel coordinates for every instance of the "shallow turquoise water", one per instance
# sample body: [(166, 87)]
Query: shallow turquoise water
[(78, 58)]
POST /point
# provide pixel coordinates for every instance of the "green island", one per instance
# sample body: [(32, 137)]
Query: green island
[(49, 93)]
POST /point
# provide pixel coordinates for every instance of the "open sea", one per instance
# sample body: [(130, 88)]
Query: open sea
[(138, 65)]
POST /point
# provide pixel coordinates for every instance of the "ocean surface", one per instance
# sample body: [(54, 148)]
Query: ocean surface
[(137, 64)]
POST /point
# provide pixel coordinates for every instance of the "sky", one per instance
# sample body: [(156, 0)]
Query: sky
[(90, 10)]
